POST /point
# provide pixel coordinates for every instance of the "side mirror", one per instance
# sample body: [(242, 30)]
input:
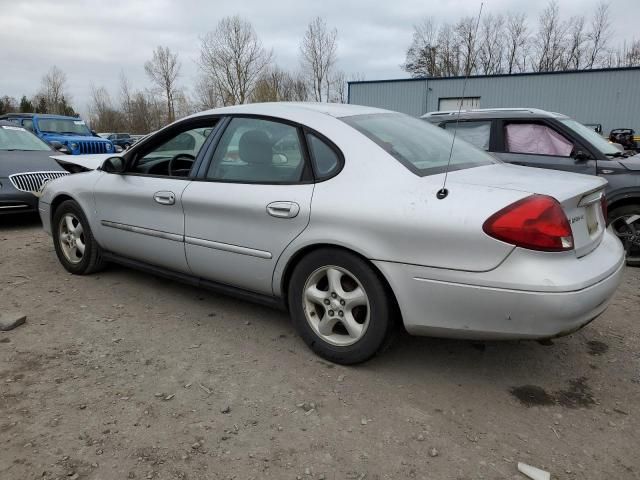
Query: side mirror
[(60, 147), (113, 165), (580, 155)]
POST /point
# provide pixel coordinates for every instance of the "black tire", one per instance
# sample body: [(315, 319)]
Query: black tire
[(381, 306), (633, 255), (91, 260)]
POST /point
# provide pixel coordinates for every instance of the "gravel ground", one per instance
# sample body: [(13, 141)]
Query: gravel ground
[(123, 375)]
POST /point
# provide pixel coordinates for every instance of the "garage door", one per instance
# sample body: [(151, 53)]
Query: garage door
[(454, 103)]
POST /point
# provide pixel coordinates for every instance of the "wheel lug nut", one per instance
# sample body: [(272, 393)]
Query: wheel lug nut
[(341, 313), (326, 301), (342, 302), (331, 313), (333, 295)]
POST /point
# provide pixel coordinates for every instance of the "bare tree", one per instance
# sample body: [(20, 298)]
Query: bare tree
[(103, 116), (516, 43), (233, 58), (448, 51), (163, 70), (576, 43), (465, 32), (318, 50), (422, 55), (53, 92), (550, 40), (599, 34), (491, 50)]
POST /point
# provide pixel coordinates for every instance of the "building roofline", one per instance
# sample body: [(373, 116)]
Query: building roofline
[(521, 74)]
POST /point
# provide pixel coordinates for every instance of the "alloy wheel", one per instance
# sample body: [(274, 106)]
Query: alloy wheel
[(336, 305), (627, 227), (71, 238)]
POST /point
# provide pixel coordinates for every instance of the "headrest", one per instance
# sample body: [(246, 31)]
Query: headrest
[(255, 148)]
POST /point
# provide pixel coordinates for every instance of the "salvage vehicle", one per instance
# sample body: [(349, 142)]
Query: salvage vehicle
[(625, 137), (67, 134), (25, 165), (337, 213), (537, 138)]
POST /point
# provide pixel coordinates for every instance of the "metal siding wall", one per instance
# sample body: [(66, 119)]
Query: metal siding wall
[(406, 97), (611, 98)]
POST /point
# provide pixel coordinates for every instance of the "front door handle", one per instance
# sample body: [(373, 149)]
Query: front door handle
[(283, 209), (165, 198)]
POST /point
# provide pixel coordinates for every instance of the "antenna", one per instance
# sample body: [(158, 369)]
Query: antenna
[(443, 192)]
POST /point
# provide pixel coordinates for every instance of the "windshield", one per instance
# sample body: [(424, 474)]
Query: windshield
[(17, 138), (422, 148), (589, 134), (63, 125)]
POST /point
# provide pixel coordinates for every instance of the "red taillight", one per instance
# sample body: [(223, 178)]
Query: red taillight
[(603, 204), (536, 222)]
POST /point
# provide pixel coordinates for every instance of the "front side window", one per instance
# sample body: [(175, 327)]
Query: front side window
[(421, 147), (536, 138), (476, 133), (592, 136), (253, 150), (173, 156), (64, 126), (14, 138)]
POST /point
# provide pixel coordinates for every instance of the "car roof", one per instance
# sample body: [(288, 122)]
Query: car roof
[(487, 113), (295, 109), (31, 115)]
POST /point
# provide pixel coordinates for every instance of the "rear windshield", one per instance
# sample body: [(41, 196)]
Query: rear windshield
[(17, 138), (421, 147)]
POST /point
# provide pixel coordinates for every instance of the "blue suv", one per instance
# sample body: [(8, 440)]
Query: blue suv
[(67, 134)]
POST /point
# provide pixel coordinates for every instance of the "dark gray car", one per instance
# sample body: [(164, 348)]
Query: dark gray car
[(25, 164), (537, 138)]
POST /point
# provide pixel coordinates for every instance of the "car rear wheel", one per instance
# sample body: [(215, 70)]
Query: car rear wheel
[(73, 240), (625, 222), (340, 306)]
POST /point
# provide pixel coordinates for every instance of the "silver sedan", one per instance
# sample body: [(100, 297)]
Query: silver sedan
[(337, 213)]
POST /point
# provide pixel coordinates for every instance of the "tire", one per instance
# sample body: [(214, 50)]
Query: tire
[(71, 233), (627, 233), (352, 327)]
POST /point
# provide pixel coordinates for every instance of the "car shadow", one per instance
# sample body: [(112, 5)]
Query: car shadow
[(21, 221)]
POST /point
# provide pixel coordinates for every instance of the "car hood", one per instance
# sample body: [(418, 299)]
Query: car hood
[(630, 163), (72, 138), (20, 162), (87, 162)]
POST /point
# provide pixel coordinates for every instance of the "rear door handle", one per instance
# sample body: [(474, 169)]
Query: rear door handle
[(165, 198), (283, 209)]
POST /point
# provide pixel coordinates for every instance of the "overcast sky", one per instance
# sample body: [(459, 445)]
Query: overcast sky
[(93, 40)]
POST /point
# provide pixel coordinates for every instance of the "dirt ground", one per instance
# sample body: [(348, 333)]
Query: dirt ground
[(123, 375)]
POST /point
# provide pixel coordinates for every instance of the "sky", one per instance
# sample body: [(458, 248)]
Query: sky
[(94, 41)]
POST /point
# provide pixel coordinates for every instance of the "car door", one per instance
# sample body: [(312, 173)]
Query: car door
[(542, 144), (253, 199), (140, 211)]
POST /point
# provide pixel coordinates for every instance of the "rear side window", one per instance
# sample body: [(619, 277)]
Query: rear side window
[(537, 139), (476, 133), (325, 159)]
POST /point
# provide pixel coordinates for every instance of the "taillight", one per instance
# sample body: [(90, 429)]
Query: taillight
[(603, 204), (536, 222)]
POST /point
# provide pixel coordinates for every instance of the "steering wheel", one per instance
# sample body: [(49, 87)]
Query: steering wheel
[(180, 172)]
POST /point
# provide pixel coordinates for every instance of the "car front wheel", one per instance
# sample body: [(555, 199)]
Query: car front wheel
[(73, 240), (340, 306)]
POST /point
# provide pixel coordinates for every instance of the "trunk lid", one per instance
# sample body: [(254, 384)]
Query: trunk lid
[(579, 195)]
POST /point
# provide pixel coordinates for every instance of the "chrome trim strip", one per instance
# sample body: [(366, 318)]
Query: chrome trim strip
[(227, 247), (2, 207), (143, 231)]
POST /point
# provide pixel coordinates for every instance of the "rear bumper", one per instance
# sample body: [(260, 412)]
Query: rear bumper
[(563, 295)]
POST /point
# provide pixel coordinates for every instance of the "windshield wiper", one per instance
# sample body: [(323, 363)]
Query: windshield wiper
[(616, 155)]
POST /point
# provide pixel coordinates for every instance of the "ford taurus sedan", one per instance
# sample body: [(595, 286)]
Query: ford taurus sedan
[(333, 212)]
